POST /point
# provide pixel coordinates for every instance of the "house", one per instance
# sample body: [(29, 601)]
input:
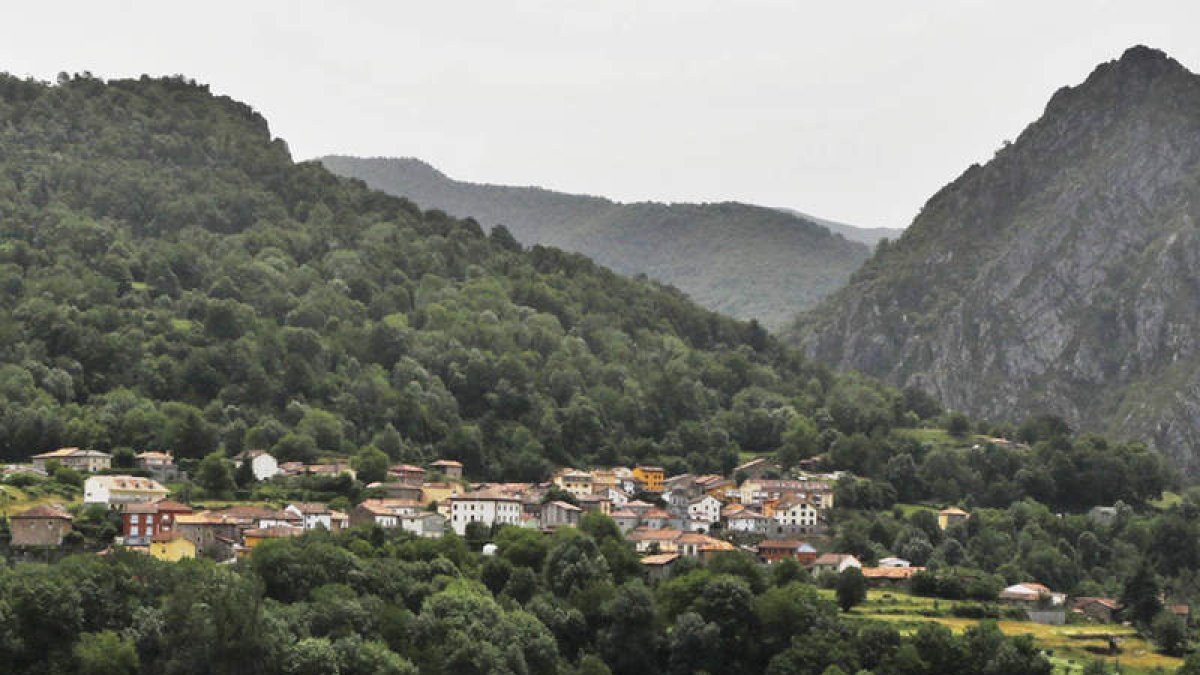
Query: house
[(625, 519), (113, 491), (656, 519), (1030, 593), (705, 509), (436, 493), (894, 562), (483, 506), (316, 515), (759, 490), (87, 461), (423, 524), (407, 473), (334, 469), (594, 503), (558, 514), (172, 546), (262, 463), (651, 477), (693, 544), (257, 535), (889, 576), (214, 535), (653, 541), (749, 521), (573, 481), (618, 497), (1101, 610), (774, 550), (40, 526), (603, 480), (835, 563), (160, 465), (952, 516), (398, 491), (448, 468), (385, 513), (798, 513), (659, 566), (141, 521)]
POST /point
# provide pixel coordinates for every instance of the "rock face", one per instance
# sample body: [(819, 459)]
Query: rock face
[(1063, 276), (745, 261)]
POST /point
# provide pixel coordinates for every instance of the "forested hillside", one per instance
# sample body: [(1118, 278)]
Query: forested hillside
[(1061, 276), (745, 261), (171, 279)]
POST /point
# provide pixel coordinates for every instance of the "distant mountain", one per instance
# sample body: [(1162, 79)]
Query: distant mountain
[(867, 235), (744, 261), (1063, 276)]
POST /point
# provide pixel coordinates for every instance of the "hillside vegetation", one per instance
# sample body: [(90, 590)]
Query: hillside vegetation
[(1062, 276), (745, 261)]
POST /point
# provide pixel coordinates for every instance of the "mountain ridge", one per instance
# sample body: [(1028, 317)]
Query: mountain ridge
[(1060, 276), (743, 260)]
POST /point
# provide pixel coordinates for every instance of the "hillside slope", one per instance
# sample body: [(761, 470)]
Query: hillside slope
[(170, 278), (866, 235), (1062, 276), (741, 260)]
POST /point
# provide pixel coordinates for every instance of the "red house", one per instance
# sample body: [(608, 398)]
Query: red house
[(140, 522)]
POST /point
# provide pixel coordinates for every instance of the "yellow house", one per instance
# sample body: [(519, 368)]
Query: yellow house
[(602, 480), (172, 547), (578, 483), (651, 476), (952, 516), (439, 492)]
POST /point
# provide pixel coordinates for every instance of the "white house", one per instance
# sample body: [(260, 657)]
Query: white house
[(423, 524), (113, 491), (262, 463), (894, 562), (484, 507), (319, 515), (705, 509), (799, 514), (835, 562), (749, 521)]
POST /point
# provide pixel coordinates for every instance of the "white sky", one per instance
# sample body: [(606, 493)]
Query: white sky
[(854, 111)]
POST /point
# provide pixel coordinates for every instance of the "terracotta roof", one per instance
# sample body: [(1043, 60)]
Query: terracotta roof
[(145, 507), (154, 454), (718, 545), (447, 462), (309, 508), (273, 532), (172, 506), (1105, 602), (407, 468), (656, 513), (660, 559), (167, 536), (789, 544), (890, 572), (44, 511), (564, 505), (832, 558), (645, 534), (694, 538), (71, 452), (129, 483), (622, 514)]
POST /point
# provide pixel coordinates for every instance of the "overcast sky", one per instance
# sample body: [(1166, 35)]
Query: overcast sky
[(851, 111)]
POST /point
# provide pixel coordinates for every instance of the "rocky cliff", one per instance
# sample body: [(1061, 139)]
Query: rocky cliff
[(1062, 276)]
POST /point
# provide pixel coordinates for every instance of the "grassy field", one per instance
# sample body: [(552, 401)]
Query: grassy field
[(1068, 646), (15, 500)]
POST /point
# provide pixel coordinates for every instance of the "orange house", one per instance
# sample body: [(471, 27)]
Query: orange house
[(651, 476)]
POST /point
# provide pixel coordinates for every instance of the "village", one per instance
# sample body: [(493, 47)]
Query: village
[(664, 518)]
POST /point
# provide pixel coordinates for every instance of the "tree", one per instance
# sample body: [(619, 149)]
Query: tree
[(371, 465), (105, 653), (215, 475), (1170, 634), (851, 588), (1140, 596)]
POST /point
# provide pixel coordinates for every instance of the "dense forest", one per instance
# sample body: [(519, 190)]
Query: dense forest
[(746, 261)]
